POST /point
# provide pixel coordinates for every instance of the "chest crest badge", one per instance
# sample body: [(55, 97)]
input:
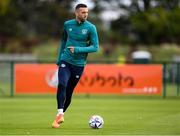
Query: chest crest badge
[(84, 31)]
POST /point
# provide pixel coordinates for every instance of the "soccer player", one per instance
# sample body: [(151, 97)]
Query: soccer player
[(79, 38)]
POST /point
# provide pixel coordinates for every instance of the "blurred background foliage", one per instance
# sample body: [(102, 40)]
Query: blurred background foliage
[(35, 26)]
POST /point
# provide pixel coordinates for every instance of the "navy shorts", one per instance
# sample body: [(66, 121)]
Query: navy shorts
[(68, 72)]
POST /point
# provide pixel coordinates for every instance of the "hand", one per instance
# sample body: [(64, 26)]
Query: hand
[(58, 63), (71, 48)]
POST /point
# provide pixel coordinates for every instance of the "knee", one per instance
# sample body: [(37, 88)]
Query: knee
[(62, 83), (62, 86), (61, 89)]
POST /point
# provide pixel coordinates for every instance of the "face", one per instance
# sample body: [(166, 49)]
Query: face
[(81, 14)]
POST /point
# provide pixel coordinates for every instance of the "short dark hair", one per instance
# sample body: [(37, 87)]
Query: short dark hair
[(80, 6)]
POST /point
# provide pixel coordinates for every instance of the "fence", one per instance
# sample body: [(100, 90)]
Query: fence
[(171, 76)]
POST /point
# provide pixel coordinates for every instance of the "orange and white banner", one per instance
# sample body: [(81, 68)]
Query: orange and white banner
[(96, 79)]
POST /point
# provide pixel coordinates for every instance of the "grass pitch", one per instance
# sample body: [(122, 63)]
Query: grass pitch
[(122, 116)]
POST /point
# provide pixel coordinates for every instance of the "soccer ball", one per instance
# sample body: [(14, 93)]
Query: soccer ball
[(96, 122)]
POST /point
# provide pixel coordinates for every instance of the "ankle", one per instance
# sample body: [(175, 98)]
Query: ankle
[(60, 111)]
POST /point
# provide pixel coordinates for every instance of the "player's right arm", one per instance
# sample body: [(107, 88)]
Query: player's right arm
[(94, 43), (63, 44)]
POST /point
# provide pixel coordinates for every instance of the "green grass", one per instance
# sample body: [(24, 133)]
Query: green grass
[(131, 116), (164, 52)]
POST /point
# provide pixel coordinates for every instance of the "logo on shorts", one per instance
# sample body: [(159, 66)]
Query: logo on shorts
[(84, 31), (77, 76), (63, 65)]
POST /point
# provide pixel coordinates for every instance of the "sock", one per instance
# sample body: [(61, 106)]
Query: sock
[(60, 111)]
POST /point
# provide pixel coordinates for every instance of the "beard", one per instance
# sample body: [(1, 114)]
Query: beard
[(83, 19)]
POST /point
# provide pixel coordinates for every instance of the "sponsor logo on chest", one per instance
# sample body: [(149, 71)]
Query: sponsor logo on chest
[(70, 29)]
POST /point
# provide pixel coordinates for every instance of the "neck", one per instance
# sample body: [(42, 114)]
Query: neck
[(78, 20)]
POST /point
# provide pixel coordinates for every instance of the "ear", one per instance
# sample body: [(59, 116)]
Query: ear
[(76, 12)]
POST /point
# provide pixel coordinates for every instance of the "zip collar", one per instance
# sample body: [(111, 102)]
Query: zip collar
[(81, 22)]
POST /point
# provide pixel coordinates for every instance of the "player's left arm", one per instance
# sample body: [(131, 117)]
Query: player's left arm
[(94, 43)]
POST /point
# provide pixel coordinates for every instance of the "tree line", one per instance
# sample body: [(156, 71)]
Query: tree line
[(141, 21)]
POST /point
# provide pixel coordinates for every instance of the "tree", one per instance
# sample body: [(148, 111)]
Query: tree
[(145, 21), (28, 20), (4, 4)]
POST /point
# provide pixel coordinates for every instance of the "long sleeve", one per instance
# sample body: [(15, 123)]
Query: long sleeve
[(63, 44), (94, 43)]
